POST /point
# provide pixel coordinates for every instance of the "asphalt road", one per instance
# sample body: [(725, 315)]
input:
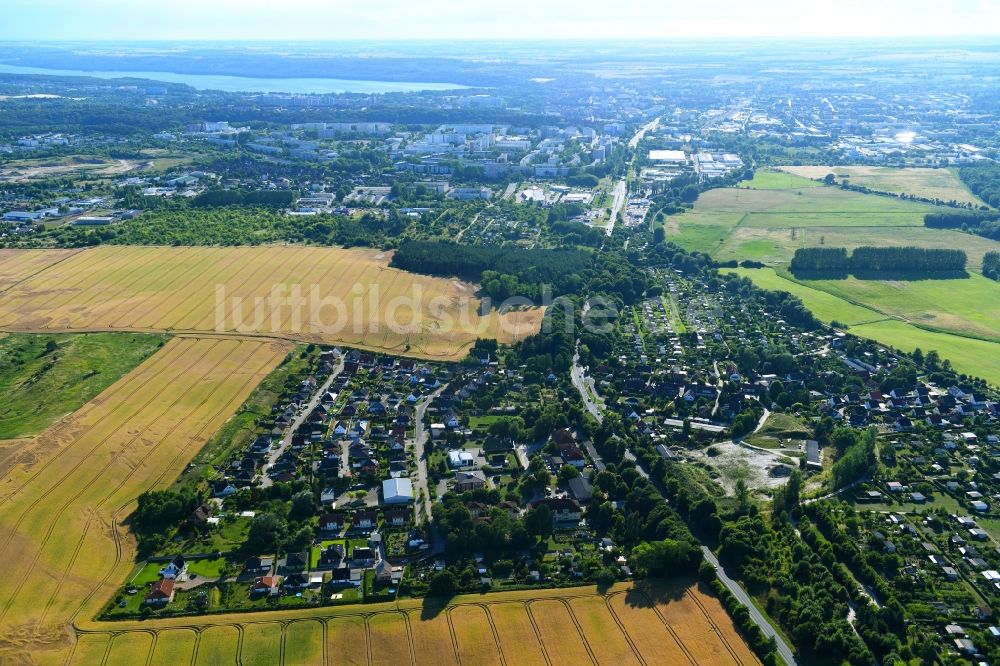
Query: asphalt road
[(581, 381), (419, 439), (648, 127), (619, 194), (286, 440), (784, 650)]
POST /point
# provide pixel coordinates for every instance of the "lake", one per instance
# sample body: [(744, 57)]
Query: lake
[(244, 83)]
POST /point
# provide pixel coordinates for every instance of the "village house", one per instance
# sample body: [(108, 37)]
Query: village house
[(160, 593), (265, 586), (466, 481)]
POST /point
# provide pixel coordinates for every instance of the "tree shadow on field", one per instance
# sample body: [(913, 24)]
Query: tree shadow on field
[(433, 606), (649, 593)]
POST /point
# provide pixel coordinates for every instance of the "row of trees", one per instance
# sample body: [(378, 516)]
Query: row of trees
[(879, 262)]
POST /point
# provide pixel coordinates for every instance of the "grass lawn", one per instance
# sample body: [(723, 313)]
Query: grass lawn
[(791, 218), (133, 603), (45, 377), (767, 218), (776, 245), (148, 574), (203, 568), (785, 425), (991, 525), (206, 568), (699, 237), (484, 422)]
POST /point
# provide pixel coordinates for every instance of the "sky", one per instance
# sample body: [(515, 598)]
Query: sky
[(255, 20)]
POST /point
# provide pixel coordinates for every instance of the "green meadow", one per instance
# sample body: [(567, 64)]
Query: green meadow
[(942, 184), (825, 306), (45, 377), (767, 218), (775, 246), (969, 355)]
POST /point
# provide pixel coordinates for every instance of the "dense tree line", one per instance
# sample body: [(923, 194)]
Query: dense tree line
[(879, 262), (959, 219), (577, 233), (825, 260), (503, 271), (991, 265), (981, 223), (215, 198), (915, 261), (805, 596), (856, 457), (159, 512), (984, 181), (226, 226)]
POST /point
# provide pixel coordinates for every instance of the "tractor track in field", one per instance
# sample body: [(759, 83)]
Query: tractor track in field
[(105, 468)]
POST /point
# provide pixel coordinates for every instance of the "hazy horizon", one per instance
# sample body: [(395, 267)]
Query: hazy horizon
[(511, 20)]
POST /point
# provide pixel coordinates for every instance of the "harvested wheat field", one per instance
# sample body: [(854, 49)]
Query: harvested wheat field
[(61, 538), (17, 265), (627, 624), (313, 294)]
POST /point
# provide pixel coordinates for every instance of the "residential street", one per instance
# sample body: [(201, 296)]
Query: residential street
[(763, 622), (419, 439), (584, 385), (581, 381), (286, 440)]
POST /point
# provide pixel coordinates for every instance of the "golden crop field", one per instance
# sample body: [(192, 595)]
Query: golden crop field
[(312, 294), (923, 182), (62, 504), (17, 265), (627, 624)]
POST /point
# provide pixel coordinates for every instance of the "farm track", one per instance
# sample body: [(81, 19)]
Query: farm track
[(176, 462), (63, 539), (217, 290), (22, 278), (400, 617)]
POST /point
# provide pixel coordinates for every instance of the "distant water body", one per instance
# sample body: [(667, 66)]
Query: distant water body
[(245, 83)]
